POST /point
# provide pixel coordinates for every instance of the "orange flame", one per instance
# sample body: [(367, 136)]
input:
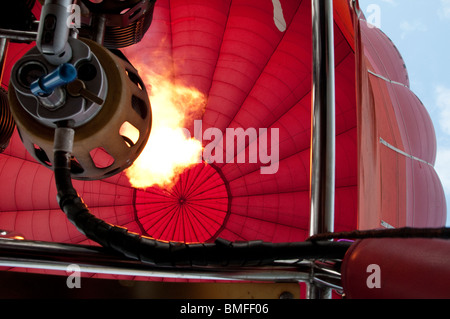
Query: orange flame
[(169, 150)]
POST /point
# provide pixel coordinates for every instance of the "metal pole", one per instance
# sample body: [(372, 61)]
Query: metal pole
[(100, 28), (4, 43), (323, 128), (323, 120), (18, 35), (92, 259)]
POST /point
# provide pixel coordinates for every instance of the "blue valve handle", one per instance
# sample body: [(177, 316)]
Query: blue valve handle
[(46, 84)]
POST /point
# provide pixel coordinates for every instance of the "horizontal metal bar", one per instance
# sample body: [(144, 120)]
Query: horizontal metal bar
[(327, 283), (247, 274), (91, 259), (18, 35)]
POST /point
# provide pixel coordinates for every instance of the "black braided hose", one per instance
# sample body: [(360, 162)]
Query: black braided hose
[(155, 252)]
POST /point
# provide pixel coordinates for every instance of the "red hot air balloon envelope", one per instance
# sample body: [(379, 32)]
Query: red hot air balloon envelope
[(252, 59)]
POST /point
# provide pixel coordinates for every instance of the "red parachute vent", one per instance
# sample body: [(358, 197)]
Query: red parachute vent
[(193, 210)]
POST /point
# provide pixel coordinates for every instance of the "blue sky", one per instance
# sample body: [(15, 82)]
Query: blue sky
[(421, 31)]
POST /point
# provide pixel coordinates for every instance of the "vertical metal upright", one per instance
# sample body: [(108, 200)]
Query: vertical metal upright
[(323, 136), (4, 43)]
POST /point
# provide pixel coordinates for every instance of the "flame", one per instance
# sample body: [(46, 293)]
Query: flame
[(169, 150)]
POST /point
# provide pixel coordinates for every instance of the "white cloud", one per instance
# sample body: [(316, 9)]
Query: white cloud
[(443, 168), (412, 26), (443, 152), (443, 104), (444, 10), (391, 2)]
